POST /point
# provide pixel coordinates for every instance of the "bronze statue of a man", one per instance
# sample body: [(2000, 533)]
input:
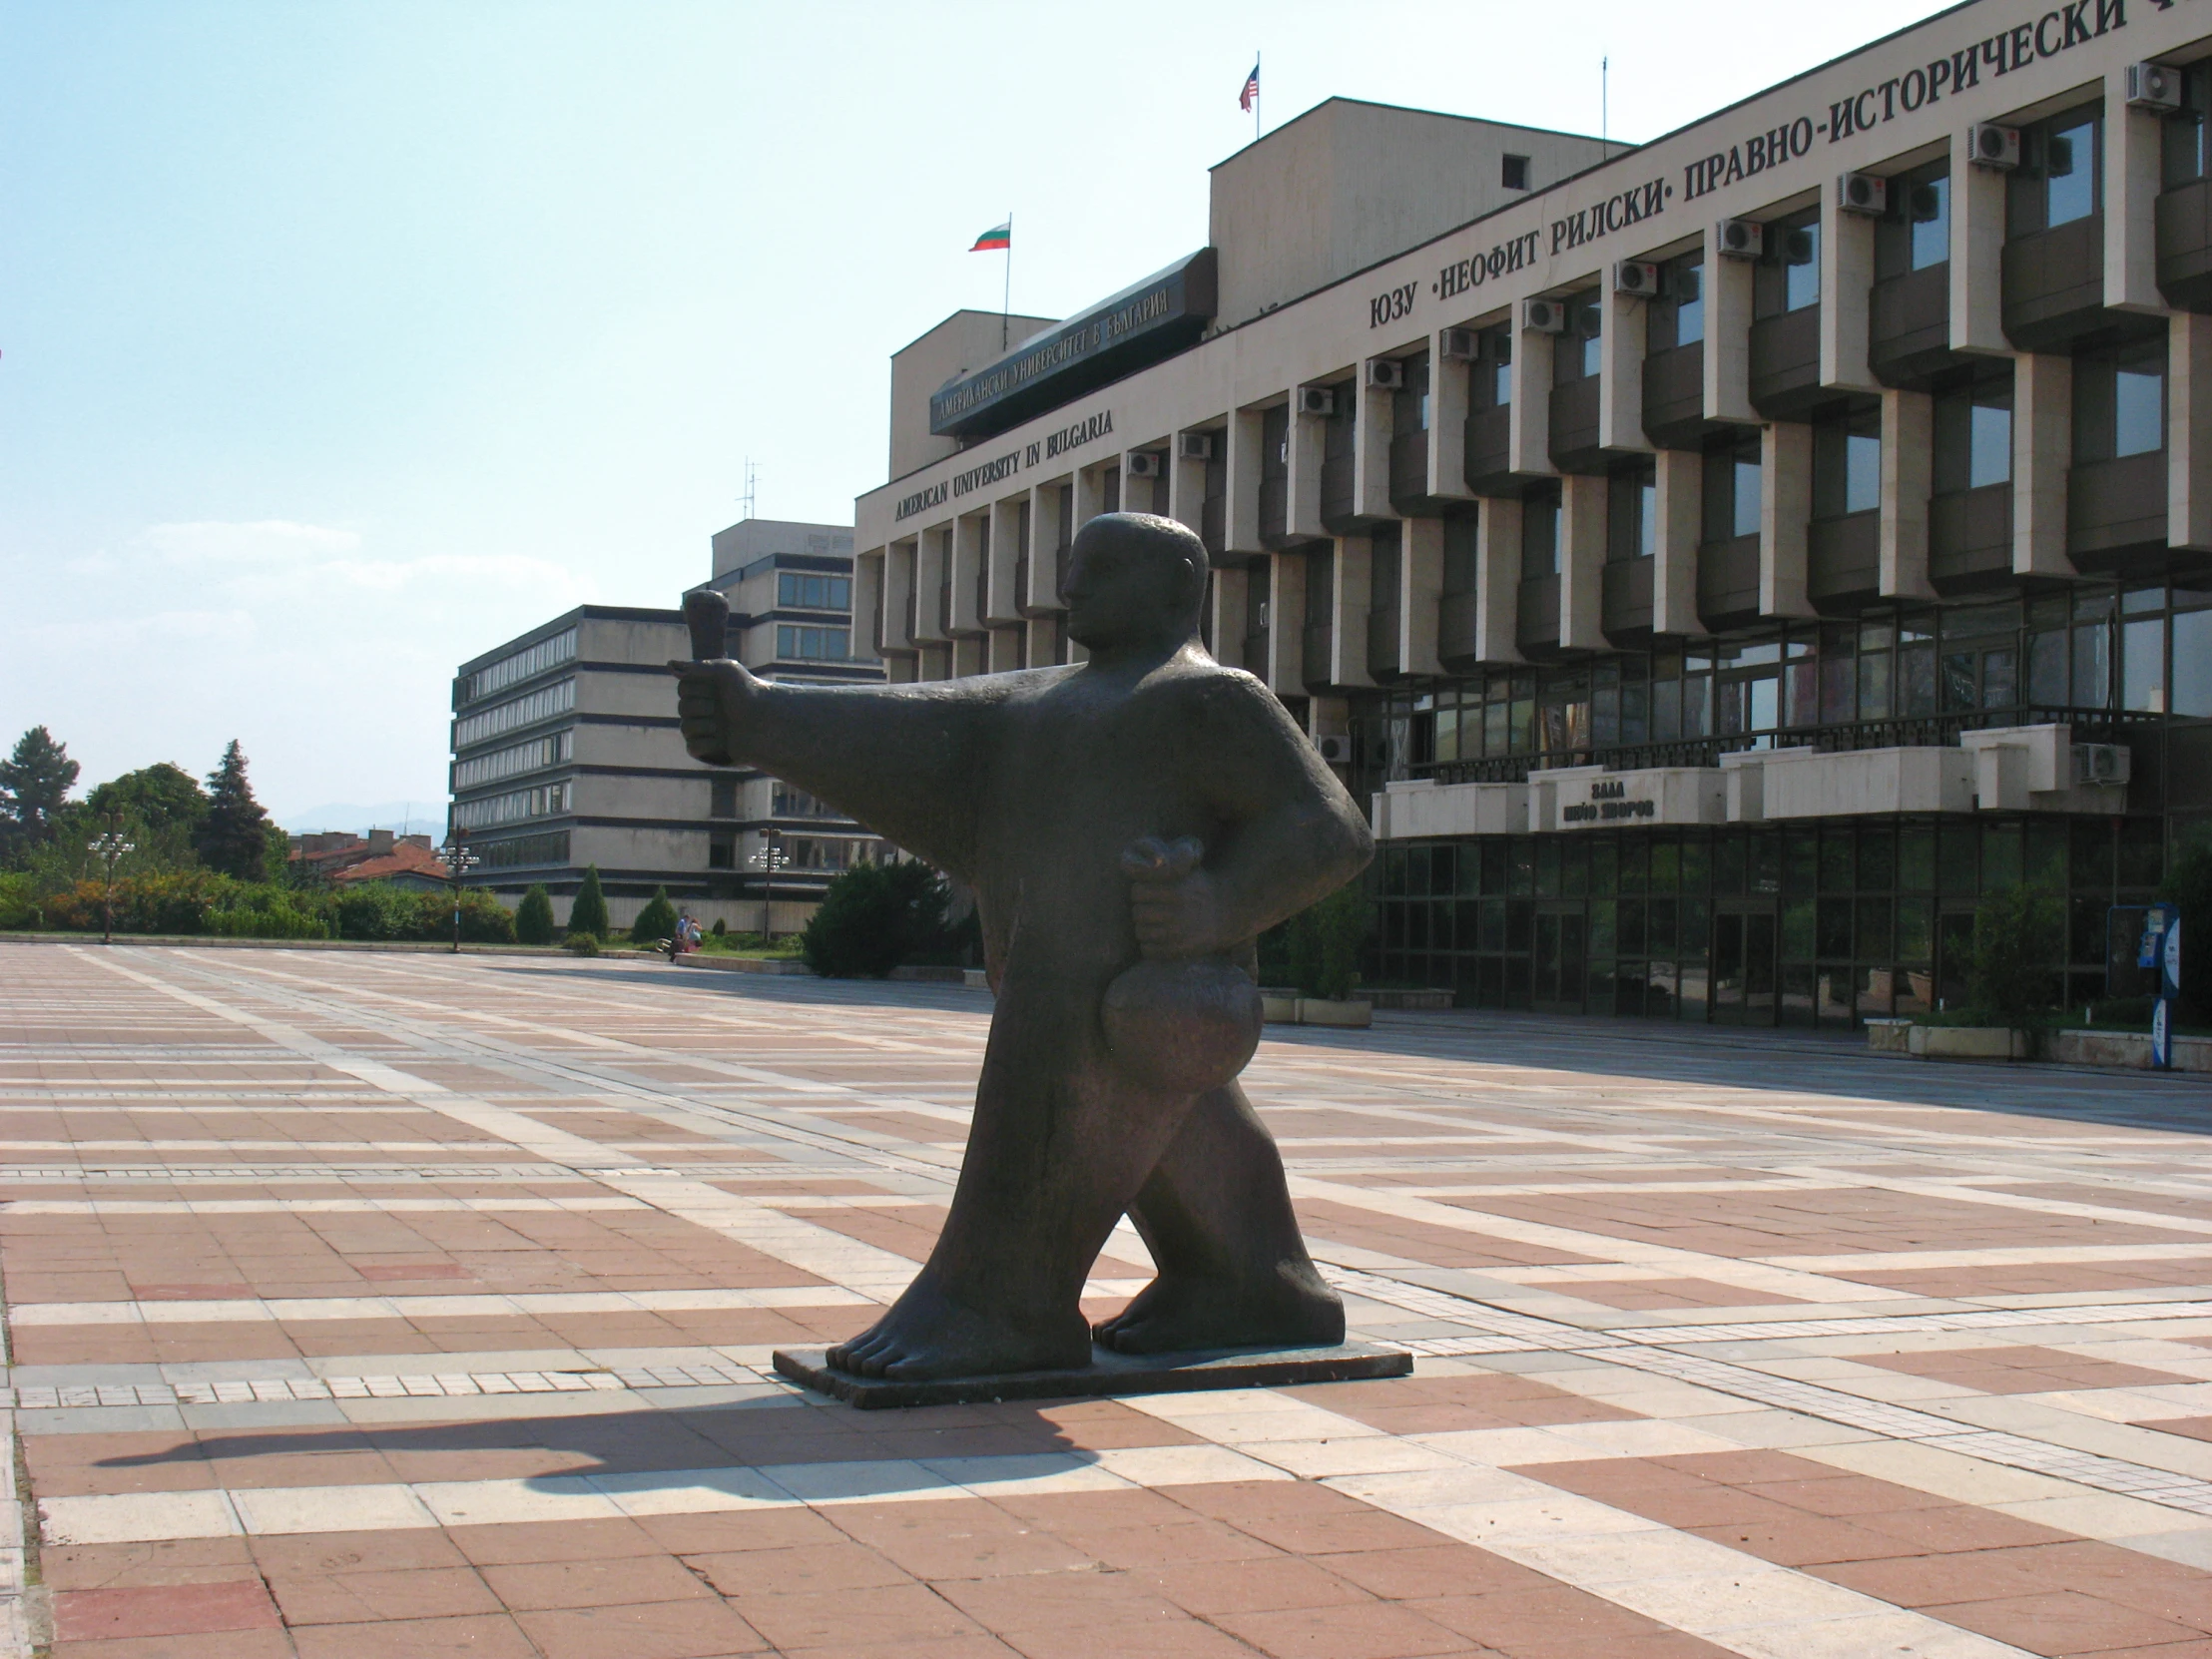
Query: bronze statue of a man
[(1031, 787)]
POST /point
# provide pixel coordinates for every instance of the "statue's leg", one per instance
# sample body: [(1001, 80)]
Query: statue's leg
[(1233, 1267), (1060, 1144)]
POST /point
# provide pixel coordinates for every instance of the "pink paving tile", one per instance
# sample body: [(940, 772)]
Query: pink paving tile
[(163, 1610)]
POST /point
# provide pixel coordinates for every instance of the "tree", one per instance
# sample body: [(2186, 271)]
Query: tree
[(1323, 944), (234, 837), (534, 916), (589, 913), (657, 921), (2018, 936), (162, 795), (34, 781), (875, 916)]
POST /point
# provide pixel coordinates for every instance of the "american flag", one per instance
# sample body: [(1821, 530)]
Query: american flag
[(1251, 94)]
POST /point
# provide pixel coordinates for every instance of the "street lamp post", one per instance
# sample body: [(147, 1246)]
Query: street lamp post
[(110, 848), (769, 861), (458, 861)]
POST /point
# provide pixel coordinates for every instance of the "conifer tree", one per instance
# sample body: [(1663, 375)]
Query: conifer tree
[(234, 837), (534, 916), (589, 913), (657, 921), (34, 781)]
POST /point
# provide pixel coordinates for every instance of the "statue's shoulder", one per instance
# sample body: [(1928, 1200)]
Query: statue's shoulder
[(1200, 688)]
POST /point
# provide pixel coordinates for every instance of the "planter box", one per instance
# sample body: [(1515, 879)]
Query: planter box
[(1890, 1036), (743, 964), (1434, 997), (2131, 1049), (1320, 1010), (1279, 1005), (976, 979), (1968, 1043), (932, 975)]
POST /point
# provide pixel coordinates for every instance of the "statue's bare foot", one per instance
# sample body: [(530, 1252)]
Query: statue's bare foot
[(927, 1335), (1290, 1309)]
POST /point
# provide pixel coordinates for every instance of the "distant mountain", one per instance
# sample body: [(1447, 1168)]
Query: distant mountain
[(406, 818)]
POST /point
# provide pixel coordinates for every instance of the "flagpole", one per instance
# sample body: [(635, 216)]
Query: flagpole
[(1006, 303), (1256, 94)]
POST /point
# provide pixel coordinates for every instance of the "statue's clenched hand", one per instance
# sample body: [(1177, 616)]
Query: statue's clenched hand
[(711, 701), (1174, 904)]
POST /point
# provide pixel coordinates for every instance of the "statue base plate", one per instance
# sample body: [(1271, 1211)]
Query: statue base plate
[(1107, 1373)]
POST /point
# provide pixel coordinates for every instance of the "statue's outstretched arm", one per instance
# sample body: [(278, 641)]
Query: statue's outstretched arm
[(1285, 834), (904, 759)]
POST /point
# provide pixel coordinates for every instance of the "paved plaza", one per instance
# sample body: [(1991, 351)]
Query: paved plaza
[(388, 1304)]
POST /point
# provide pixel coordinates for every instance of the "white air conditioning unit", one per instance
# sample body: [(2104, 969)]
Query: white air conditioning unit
[(1740, 239), (1544, 316), (1461, 346), (1195, 446), (2101, 763), (1336, 751), (2153, 86), (1144, 463), (1637, 278), (1996, 148), (1386, 374), (1862, 192), (1316, 400)]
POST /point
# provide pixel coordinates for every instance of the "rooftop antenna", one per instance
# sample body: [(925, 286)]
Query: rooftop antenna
[(1604, 106), (752, 484)]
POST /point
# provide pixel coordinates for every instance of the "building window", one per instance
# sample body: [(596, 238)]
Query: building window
[(1916, 232), (561, 648), (1847, 463), (2119, 400), (814, 593), (829, 645), (1632, 513), (2188, 158), (1732, 486), (723, 801), (1581, 350), (1493, 371), (1459, 546), (2057, 181), (522, 849), (1678, 316), (1788, 277), (1973, 429), (1515, 174), (722, 852), (1539, 535)]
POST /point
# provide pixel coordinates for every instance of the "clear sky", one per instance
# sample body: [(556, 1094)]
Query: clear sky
[(340, 342)]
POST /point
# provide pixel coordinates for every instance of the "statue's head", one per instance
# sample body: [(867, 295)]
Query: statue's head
[(1134, 581)]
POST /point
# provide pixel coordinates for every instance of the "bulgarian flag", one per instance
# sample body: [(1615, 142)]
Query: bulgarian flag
[(1000, 239)]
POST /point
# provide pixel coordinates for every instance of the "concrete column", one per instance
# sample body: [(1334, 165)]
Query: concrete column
[(1241, 522), (1090, 493), (1785, 512), (1286, 675), (1350, 585), (1620, 386), (898, 597), (1329, 717), (1497, 536), (1232, 586), (1976, 254), (1679, 505), (1726, 338), (868, 603), (1846, 284), (2133, 171), (1001, 604), (2189, 430), (972, 534), (1141, 495), (1528, 431), (1448, 425), (1908, 453), (1371, 451), (931, 549), (1043, 643), (2042, 451), (1420, 590), (1185, 487), (1044, 548), (1309, 442), (1003, 650), (1582, 563)]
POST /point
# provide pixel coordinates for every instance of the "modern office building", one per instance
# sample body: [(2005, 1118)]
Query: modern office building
[(566, 751), (1720, 561)]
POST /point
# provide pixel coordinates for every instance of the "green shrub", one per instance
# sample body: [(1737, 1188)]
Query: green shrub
[(378, 910), (721, 927), (581, 944), (589, 913), (270, 918), (534, 917), (864, 925), (19, 905), (1317, 950), (2017, 932), (657, 921)]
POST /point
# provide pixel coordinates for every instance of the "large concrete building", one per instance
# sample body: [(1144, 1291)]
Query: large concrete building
[(566, 751), (1720, 561)]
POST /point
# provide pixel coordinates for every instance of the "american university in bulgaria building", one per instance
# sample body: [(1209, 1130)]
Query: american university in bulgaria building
[(1720, 562)]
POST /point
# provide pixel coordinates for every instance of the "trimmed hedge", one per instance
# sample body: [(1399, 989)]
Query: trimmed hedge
[(201, 901)]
